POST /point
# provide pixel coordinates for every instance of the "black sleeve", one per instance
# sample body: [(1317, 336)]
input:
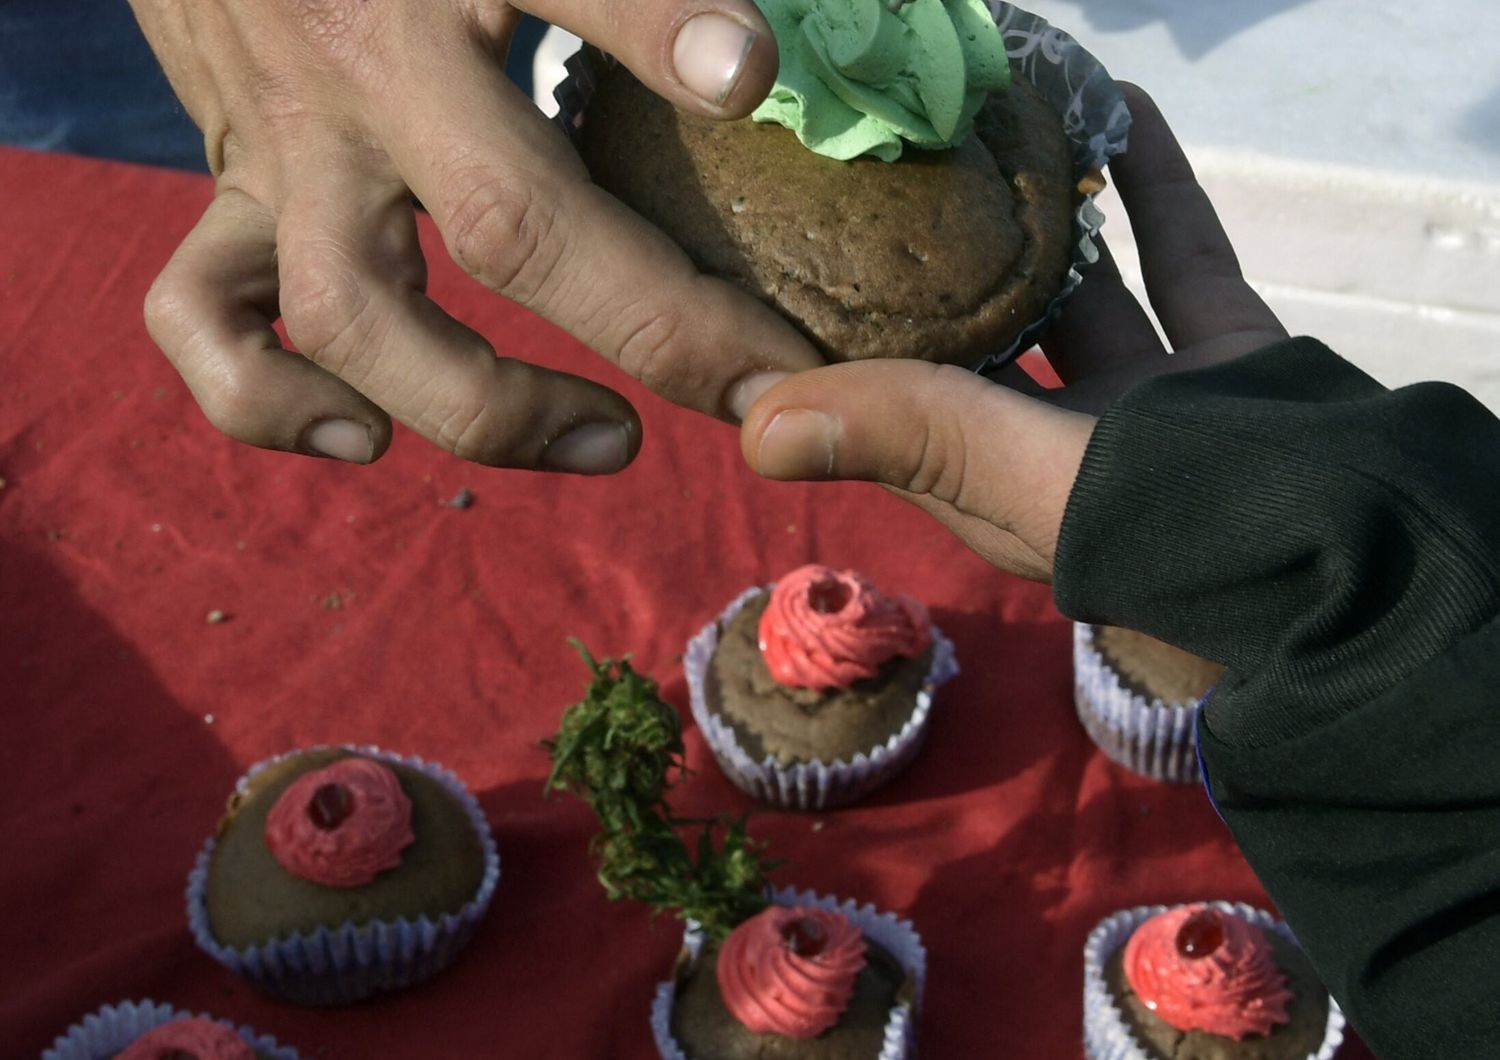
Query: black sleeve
[(1336, 546)]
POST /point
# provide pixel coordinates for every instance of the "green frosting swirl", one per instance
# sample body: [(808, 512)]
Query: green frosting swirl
[(858, 80)]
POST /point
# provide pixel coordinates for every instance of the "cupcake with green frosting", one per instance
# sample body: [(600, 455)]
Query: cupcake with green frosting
[(762, 973), (858, 79), (909, 188)]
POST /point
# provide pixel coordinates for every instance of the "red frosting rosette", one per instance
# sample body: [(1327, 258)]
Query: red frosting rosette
[(824, 628), (790, 970), (342, 825), (189, 1039), (1199, 969)]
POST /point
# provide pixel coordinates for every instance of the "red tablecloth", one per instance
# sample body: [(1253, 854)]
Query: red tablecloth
[(361, 608)]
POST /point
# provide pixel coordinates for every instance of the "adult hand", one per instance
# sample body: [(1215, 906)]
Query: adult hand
[(995, 463), (323, 117)]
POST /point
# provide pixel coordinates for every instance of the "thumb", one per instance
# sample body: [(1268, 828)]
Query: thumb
[(992, 465)]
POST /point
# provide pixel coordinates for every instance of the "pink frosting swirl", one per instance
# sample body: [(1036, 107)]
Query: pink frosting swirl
[(341, 825), (1202, 970), (790, 970), (827, 629), (189, 1039)]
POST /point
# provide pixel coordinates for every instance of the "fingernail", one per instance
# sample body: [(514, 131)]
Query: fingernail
[(799, 443), (341, 440), (710, 53), (749, 389), (593, 449)]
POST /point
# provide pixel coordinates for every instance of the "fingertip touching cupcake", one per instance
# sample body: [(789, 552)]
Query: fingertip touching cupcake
[(338, 872), (762, 974), (877, 117), (1138, 699), (1204, 981), (816, 689), (148, 1030)]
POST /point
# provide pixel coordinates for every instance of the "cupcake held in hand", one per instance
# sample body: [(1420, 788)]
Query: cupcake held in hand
[(340, 872), (818, 688), (1206, 981), (903, 191), (787, 974), (146, 1030)]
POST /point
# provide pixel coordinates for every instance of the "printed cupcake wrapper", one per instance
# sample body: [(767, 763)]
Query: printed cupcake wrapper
[(102, 1034), (1106, 1035), (344, 964), (813, 785), (898, 936), (1152, 738), (1075, 83)]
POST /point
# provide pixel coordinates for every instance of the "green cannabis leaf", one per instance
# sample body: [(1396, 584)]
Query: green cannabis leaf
[(619, 749)]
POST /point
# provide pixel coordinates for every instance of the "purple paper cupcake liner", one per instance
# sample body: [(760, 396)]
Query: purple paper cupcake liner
[(813, 785), (1106, 1035), (344, 964), (1095, 119), (898, 936), (100, 1035), (1149, 737)]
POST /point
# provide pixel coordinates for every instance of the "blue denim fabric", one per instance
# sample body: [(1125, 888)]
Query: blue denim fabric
[(78, 76)]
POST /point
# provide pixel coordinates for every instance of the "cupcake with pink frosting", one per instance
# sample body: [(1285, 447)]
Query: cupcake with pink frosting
[(1209, 980), (146, 1030), (818, 688), (340, 872), (761, 973), (808, 978)]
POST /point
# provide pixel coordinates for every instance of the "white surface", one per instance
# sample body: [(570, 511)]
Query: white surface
[(1397, 274), (1352, 148), (1412, 87)]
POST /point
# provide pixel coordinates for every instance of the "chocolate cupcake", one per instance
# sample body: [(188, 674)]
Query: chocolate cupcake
[(1138, 699), (761, 975), (906, 190), (340, 872), (816, 689), (146, 1030), (1205, 981), (809, 978)]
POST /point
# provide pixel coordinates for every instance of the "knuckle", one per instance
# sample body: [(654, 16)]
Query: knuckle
[(1203, 252), (472, 431), (649, 351), (233, 406), (939, 467), (336, 30), (282, 103), (503, 234), (324, 306), (163, 309)]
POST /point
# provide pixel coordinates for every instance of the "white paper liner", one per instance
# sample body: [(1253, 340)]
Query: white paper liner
[(1106, 1035), (1150, 737), (898, 936), (100, 1035), (1095, 119), (813, 785), (344, 964)]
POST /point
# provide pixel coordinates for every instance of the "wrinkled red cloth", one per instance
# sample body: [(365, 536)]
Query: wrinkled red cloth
[(359, 607)]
